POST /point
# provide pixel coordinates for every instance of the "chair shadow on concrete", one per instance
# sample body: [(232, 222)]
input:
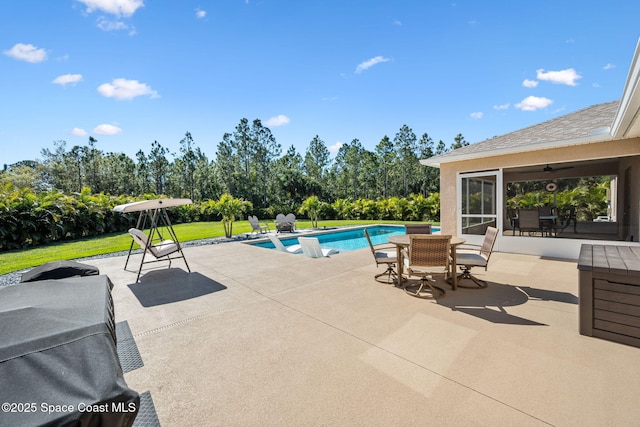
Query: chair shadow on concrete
[(160, 287), (490, 303), (547, 295)]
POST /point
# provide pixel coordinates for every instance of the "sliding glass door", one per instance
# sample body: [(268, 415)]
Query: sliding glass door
[(478, 201)]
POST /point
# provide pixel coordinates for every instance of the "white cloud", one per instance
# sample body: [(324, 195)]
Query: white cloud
[(502, 106), (78, 132), (533, 103), (106, 129), (122, 89), (278, 120), (114, 7), (335, 147), (565, 77), (370, 63), (108, 25), (477, 115), (66, 79), (201, 14), (397, 23), (530, 83), (608, 67), (27, 52)]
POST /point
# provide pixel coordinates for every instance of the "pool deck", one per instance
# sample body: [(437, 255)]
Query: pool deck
[(256, 337)]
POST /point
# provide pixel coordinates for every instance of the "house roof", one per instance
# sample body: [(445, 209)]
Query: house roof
[(602, 122), (587, 125)]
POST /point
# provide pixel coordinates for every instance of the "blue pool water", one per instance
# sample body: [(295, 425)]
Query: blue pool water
[(348, 240)]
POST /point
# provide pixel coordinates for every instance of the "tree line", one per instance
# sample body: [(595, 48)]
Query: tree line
[(249, 164)]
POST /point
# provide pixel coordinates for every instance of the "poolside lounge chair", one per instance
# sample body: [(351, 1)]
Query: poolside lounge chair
[(161, 251), (418, 228), (311, 248), (428, 255), (285, 223), (256, 226), (478, 258), (384, 257), (292, 249)]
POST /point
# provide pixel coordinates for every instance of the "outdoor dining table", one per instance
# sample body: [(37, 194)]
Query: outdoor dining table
[(403, 240)]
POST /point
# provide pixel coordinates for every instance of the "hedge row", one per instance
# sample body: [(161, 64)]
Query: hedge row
[(32, 219)]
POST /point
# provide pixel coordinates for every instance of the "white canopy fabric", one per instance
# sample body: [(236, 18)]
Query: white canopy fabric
[(151, 204)]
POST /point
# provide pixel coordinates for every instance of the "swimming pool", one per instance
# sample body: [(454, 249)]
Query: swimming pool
[(346, 239)]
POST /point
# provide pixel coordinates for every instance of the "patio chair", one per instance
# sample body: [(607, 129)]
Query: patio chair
[(512, 216), (384, 257), (256, 226), (417, 228), (566, 219), (284, 224), (311, 248), (428, 255), (478, 258), (529, 221), (292, 249), (161, 251)]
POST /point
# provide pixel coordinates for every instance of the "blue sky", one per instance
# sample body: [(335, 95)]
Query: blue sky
[(130, 72)]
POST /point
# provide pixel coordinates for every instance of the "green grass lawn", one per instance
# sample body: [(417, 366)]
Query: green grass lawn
[(18, 260)]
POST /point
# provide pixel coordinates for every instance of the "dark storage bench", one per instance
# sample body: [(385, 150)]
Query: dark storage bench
[(610, 292)]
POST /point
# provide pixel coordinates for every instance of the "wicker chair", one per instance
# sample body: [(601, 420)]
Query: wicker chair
[(417, 228), (428, 255), (384, 257)]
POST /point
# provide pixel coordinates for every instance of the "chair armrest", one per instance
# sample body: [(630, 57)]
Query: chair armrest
[(468, 246), (378, 247)]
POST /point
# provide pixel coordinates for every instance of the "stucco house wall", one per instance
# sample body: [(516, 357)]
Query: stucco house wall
[(626, 152)]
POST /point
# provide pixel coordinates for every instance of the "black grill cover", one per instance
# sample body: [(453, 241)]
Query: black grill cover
[(58, 358), (59, 270)]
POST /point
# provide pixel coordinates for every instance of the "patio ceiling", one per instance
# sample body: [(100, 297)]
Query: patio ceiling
[(551, 171)]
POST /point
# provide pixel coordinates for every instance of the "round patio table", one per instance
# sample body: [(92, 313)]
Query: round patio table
[(402, 241)]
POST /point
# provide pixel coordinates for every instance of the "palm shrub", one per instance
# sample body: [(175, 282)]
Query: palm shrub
[(18, 221), (398, 208), (422, 208), (342, 208), (312, 206), (230, 208), (364, 209)]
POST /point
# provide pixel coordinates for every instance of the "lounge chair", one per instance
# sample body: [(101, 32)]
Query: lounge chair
[(311, 248), (285, 223), (293, 249), (256, 226), (384, 257), (428, 255), (479, 257), (161, 251)]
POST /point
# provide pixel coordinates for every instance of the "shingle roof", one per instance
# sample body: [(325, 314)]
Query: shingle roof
[(579, 124)]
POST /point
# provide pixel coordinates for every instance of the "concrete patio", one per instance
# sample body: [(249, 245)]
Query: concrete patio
[(259, 337)]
